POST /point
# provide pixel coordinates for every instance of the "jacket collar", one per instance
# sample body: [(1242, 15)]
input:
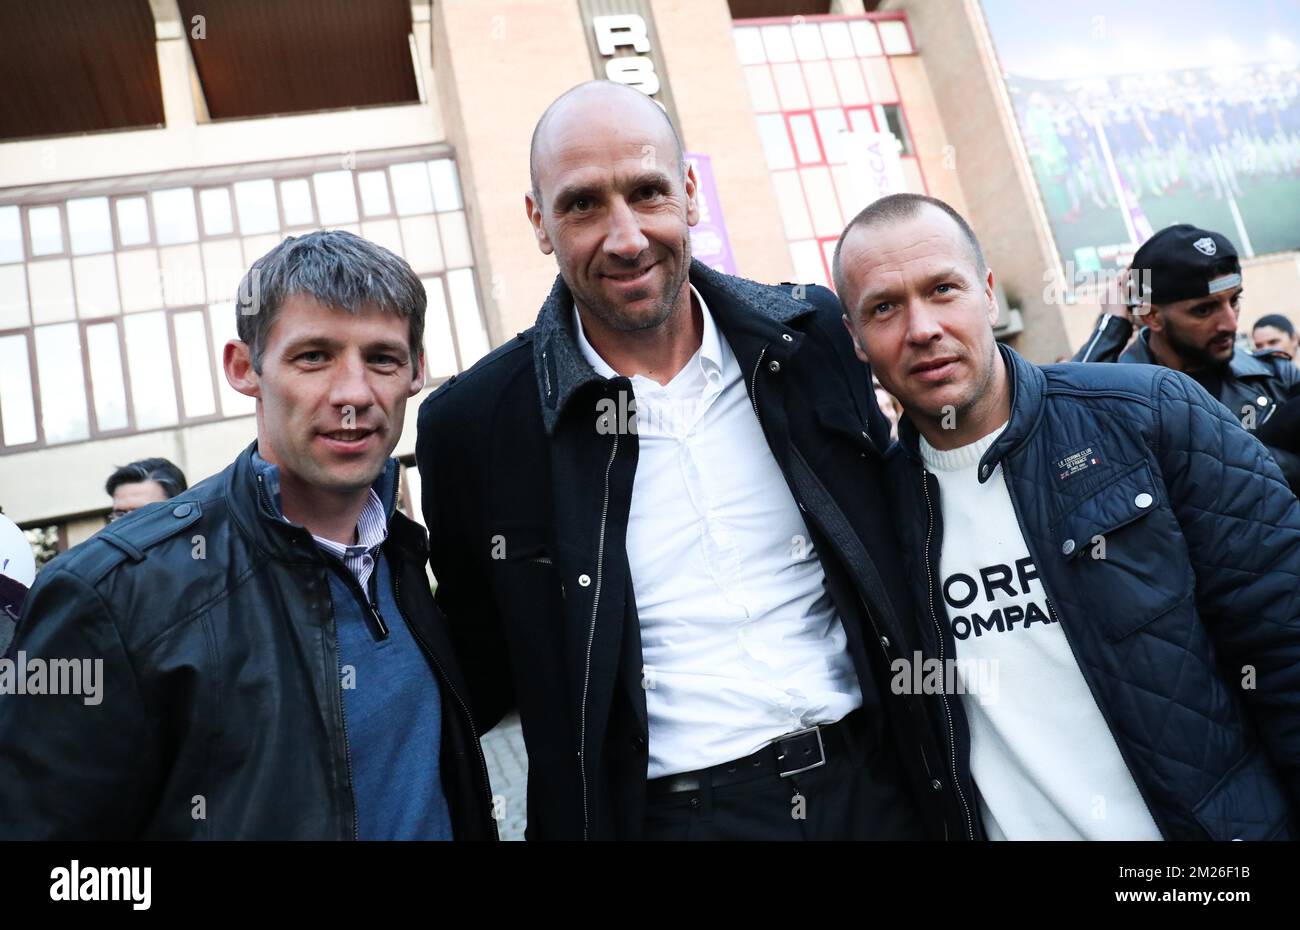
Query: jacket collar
[(1027, 383), (739, 308), (255, 509), (1243, 364)]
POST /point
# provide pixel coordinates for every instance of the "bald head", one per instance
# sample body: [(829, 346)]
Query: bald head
[(575, 108)]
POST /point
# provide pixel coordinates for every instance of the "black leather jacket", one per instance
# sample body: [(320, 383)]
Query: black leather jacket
[(219, 713), (1260, 382)]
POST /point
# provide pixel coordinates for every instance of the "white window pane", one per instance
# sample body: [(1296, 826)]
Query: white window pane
[(849, 80), (821, 86), (257, 246), (828, 252), (133, 221), (192, 360), (96, 280), (336, 198), (894, 37), (851, 184), (749, 46), (296, 197), (411, 188), (63, 384), (790, 87), (89, 225), (148, 357), (807, 259), (47, 230), (822, 202), (833, 129), (218, 218), (17, 407), (808, 42), (173, 213), (805, 139), (386, 233), (11, 234), (446, 186), (838, 42), (222, 319), (762, 92), (423, 250), (141, 280), (182, 273), (790, 199), (778, 44), (374, 193), (861, 121), (776, 141), (865, 40), (469, 322), (50, 283), (13, 297), (439, 352), (455, 240), (223, 268), (255, 203), (108, 382)]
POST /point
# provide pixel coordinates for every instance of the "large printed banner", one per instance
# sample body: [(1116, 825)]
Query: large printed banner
[(1136, 115)]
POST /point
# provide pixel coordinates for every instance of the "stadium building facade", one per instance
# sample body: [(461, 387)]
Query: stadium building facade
[(154, 148)]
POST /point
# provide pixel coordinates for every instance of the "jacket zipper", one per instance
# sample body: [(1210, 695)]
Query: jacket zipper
[(338, 682), (1066, 630), (943, 698), (347, 746), (591, 638), (753, 387), (485, 782), (753, 398)]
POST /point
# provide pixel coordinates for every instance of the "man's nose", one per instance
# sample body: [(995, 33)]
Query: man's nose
[(624, 237), (350, 384), (922, 322)]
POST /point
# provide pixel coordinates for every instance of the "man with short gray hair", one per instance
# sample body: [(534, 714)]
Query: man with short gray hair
[(272, 664)]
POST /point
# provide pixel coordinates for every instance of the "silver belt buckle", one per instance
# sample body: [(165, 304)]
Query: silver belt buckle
[(821, 750)]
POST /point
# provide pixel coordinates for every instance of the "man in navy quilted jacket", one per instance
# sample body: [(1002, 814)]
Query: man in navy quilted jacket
[(1107, 563)]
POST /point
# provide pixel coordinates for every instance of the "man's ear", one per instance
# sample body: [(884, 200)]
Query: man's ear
[(1153, 319), (237, 362), (534, 210), (860, 352), (417, 377), (692, 196), (990, 297)]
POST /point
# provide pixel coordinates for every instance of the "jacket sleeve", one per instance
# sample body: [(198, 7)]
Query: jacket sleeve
[(73, 766), (1106, 341), (464, 594), (1242, 526)]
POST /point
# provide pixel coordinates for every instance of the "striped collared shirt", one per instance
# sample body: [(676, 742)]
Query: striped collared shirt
[(372, 530)]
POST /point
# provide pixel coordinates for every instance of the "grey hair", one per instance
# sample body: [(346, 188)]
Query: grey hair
[(896, 207), (337, 269)]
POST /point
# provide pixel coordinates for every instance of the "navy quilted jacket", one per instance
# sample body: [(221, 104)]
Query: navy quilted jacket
[(1188, 630)]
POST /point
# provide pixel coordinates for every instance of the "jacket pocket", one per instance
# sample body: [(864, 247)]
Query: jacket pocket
[(1248, 803), (1125, 553)]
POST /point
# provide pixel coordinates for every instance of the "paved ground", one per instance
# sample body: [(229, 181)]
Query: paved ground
[(508, 771)]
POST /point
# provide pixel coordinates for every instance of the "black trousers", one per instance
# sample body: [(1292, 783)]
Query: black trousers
[(857, 795)]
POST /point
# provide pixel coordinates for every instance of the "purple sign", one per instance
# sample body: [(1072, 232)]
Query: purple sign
[(709, 242)]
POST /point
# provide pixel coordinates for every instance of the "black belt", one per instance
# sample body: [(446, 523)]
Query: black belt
[(787, 755)]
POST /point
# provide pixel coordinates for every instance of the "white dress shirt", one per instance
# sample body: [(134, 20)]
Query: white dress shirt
[(740, 639)]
